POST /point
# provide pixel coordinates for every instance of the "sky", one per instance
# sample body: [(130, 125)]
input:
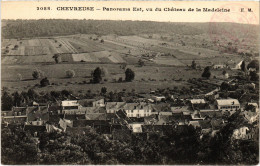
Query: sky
[(28, 10)]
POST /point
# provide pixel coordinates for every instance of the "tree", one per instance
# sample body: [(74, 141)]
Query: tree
[(102, 41), (97, 78), (243, 66), (141, 63), (57, 58), (206, 73), (224, 86), (16, 146), (129, 75), (44, 82), (7, 101), (193, 64), (224, 72), (65, 93), (103, 90), (70, 73), (37, 74), (17, 99), (253, 64), (32, 94), (254, 76)]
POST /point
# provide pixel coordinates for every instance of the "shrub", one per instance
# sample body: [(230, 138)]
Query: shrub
[(37, 74), (44, 82), (120, 79), (70, 73)]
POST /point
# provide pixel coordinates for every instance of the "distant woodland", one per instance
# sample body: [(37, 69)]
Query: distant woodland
[(56, 27)]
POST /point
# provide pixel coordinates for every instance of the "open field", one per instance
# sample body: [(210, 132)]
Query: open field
[(166, 61), (147, 77), (114, 49)]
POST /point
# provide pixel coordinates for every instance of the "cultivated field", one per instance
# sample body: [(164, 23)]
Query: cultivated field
[(166, 61)]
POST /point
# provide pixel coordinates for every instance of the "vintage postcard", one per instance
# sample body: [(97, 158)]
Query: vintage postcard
[(129, 82)]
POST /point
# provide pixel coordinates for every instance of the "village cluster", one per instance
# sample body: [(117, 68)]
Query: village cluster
[(121, 120)]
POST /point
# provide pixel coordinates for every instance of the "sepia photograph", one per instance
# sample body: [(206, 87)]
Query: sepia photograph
[(130, 82)]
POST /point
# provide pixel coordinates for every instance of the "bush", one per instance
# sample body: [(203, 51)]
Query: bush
[(37, 74), (70, 73), (44, 82), (120, 79)]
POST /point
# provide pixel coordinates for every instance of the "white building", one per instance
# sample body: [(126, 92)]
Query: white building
[(136, 127), (70, 104), (138, 110), (240, 133), (158, 98), (228, 104), (197, 101)]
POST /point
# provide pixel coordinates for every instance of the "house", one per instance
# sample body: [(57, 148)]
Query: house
[(95, 116), (255, 106), (158, 98), (113, 107), (214, 92), (136, 127), (70, 104), (228, 104), (161, 108), (137, 109), (92, 102), (152, 119), (240, 133), (99, 103), (195, 124), (14, 119), (205, 126), (18, 115), (180, 109), (19, 111), (251, 116), (39, 113), (219, 66), (197, 104), (197, 101), (196, 116), (210, 114)]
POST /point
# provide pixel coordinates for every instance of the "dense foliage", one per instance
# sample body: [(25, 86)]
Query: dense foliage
[(181, 145), (56, 27), (53, 27)]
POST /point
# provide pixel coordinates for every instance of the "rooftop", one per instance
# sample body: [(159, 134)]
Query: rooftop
[(197, 101), (67, 103), (228, 102)]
